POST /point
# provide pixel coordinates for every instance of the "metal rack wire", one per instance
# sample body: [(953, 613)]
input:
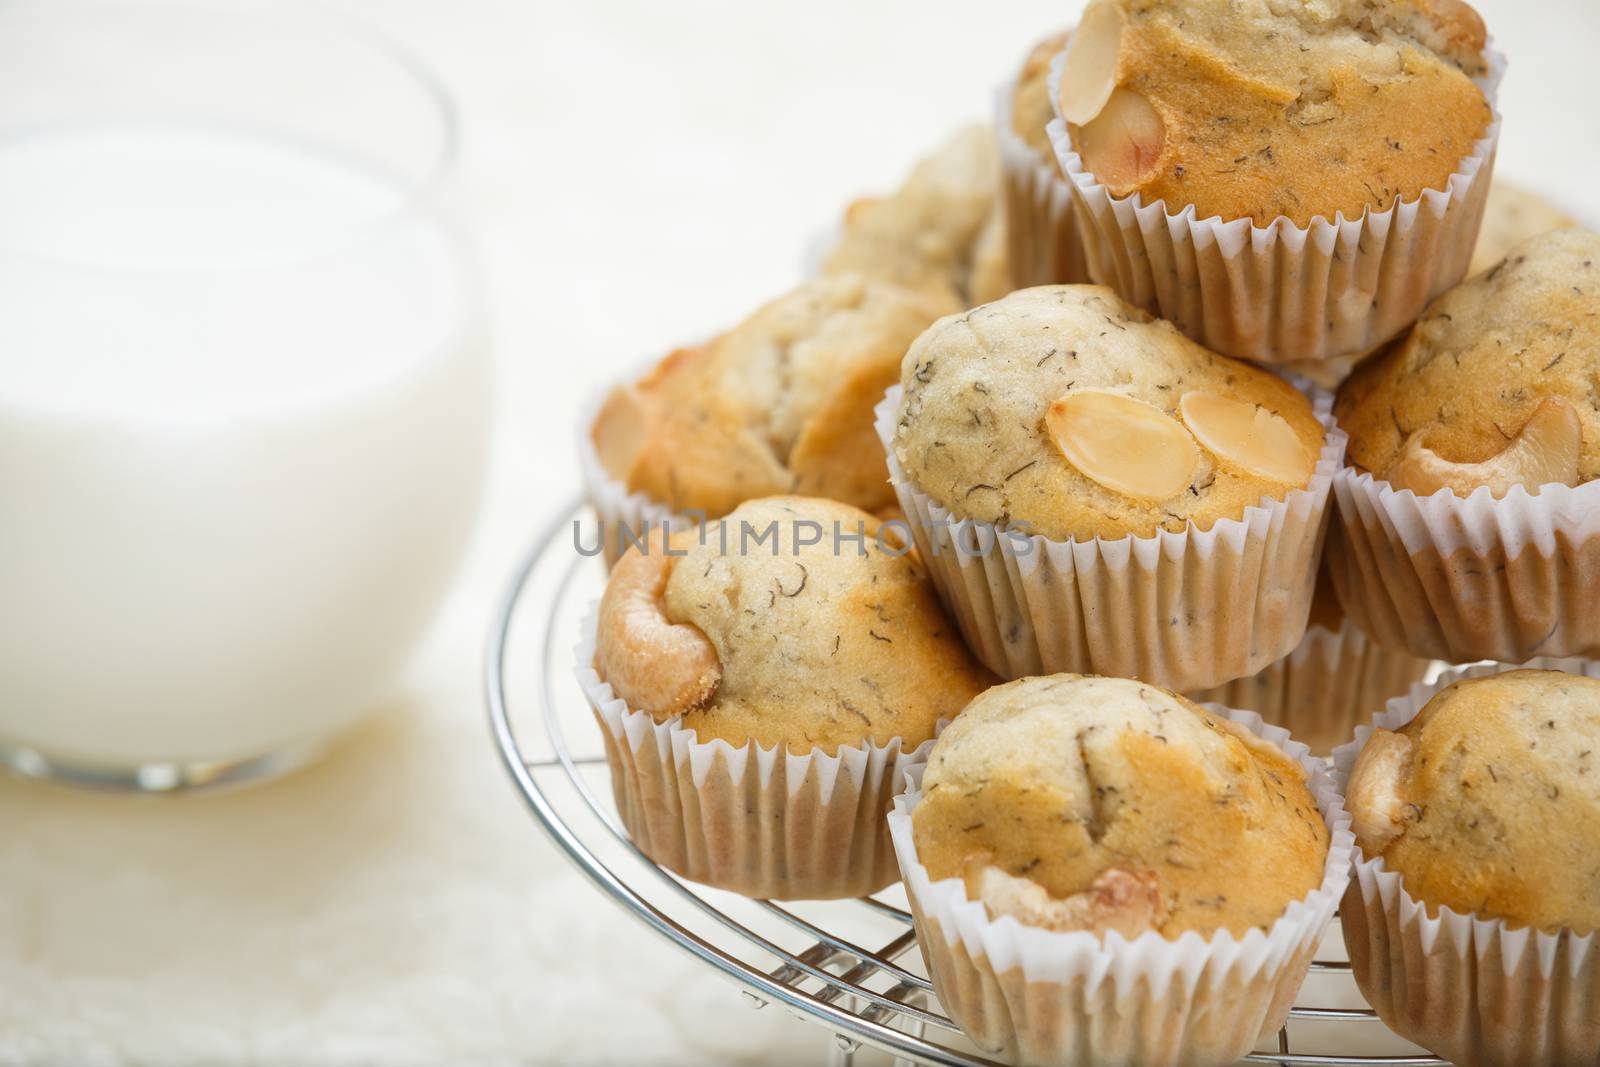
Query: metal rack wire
[(848, 966)]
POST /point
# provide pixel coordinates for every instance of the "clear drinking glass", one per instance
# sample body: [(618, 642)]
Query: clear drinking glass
[(243, 384)]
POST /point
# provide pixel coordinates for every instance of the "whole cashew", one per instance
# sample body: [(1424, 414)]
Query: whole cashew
[(1125, 901), (652, 663), (1545, 451), (1377, 801)]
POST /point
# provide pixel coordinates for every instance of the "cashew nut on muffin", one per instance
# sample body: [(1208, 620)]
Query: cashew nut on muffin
[(1266, 108), (1063, 411), (784, 642), (782, 403), (1488, 802), (1497, 385), (1080, 803)]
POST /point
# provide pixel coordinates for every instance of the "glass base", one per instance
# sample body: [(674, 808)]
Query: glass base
[(157, 777)]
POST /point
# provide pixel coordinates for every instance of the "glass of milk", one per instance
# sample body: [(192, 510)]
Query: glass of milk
[(243, 385)]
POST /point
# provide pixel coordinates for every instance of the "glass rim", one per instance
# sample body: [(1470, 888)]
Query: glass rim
[(353, 30)]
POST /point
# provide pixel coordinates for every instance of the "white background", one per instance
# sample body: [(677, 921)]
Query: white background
[(638, 173)]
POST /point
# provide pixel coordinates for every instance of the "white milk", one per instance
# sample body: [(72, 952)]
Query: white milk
[(242, 431)]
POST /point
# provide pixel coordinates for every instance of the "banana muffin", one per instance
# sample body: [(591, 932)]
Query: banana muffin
[(766, 629), (1259, 108), (1062, 411), (781, 403), (1074, 802), (1471, 919), (942, 234), (1497, 385), (1513, 214), (760, 684), (1488, 802), (1079, 849)]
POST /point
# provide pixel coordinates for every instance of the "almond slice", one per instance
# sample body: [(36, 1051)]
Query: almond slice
[(1090, 73), (1544, 452), (1127, 445), (1248, 437), (1122, 146)]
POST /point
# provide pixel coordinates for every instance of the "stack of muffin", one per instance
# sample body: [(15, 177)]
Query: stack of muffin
[(924, 571)]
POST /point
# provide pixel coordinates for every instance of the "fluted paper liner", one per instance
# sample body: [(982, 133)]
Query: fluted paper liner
[(1332, 681), (1285, 293), (1034, 996), (1474, 990), (1042, 242), (1465, 579), (1185, 610), (763, 822), (624, 516)]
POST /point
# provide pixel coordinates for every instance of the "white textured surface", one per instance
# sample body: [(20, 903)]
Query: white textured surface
[(639, 172)]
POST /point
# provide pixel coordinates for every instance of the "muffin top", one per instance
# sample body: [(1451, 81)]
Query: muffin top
[(768, 629), (942, 234), (1488, 802), (1511, 216), (1073, 802), (1497, 385), (1031, 110), (1266, 108), (781, 403), (1064, 412)]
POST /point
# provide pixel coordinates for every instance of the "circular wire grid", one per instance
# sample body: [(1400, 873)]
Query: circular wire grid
[(849, 966)]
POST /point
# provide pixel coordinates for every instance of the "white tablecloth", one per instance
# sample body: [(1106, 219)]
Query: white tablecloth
[(639, 173)]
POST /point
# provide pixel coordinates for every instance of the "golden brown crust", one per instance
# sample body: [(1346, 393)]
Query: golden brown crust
[(1513, 214), (782, 402), (936, 234), (1267, 108), (1488, 802), (1471, 374), (819, 645), (1031, 110), (1061, 779), (973, 430)]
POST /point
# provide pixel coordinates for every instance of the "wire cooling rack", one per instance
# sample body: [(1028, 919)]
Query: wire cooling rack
[(849, 966)]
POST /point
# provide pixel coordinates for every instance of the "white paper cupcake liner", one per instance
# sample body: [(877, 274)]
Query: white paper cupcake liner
[(623, 516), (1185, 611), (763, 822), (1332, 681), (1035, 996), (1285, 293), (1042, 242), (1474, 578), (1473, 990)]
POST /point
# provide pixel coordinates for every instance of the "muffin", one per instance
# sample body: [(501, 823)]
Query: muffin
[(1282, 181), (1333, 680), (943, 234), (760, 685), (1043, 246), (781, 403), (1513, 215), (1468, 511), (1094, 492), (1074, 843), (1471, 923)]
